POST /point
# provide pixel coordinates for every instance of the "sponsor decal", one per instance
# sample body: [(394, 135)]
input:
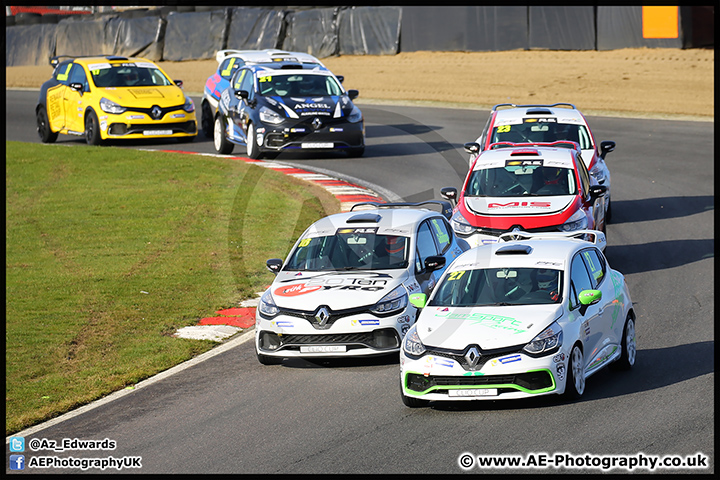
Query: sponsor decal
[(403, 319), (560, 357), (135, 117), (365, 323), (347, 231), (524, 163), (438, 361), (519, 204), (510, 359), (295, 290), (335, 129), (282, 324), (560, 370), (404, 329)]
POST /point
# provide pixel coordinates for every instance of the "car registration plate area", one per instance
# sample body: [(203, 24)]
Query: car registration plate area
[(473, 392), (317, 145), (323, 349), (151, 133)]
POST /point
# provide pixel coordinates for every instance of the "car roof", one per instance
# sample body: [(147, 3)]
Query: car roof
[(267, 55), (96, 59), (551, 156), (561, 112), (550, 253), (287, 68), (388, 221)]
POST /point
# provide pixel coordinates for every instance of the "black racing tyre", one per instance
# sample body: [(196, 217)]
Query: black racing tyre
[(222, 145), (206, 120), (412, 402), (253, 149), (575, 385), (43, 127), (629, 347), (92, 129)]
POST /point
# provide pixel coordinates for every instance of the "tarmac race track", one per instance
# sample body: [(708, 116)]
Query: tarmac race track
[(229, 414)]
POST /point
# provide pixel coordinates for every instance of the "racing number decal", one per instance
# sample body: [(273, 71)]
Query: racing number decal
[(305, 242), (456, 275), (64, 76), (228, 69), (240, 78), (503, 129)]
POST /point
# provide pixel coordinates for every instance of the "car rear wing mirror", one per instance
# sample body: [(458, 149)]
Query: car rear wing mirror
[(419, 300), (606, 147), (274, 265), (434, 262), (179, 83), (78, 87), (597, 191), (353, 94), (340, 78), (240, 94), (473, 148)]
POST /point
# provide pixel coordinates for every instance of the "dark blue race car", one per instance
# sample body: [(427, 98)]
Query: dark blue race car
[(228, 62), (288, 106)]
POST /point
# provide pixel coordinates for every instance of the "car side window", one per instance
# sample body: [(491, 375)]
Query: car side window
[(77, 75), (442, 234), (62, 74), (425, 246), (585, 141), (579, 280), (584, 175), (595, 265), (228, 67), (246, 83), (238, 79)]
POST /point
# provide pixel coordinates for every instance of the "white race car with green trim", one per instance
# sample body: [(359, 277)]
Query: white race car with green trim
[(534, 314), (343, 289)]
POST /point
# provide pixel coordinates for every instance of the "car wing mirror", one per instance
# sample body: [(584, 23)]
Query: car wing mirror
[(434, 262), (473, 148), (587, 298), (179, 83), (597, 191), (449, 193), (340, 78), (274, 265), (78, 87), (419, 300), (353, 94), (606, 147)]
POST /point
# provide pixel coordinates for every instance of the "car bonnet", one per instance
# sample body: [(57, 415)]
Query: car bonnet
[(516, 206), (298, 107), (338, 290), (488, 327), (144, 97)]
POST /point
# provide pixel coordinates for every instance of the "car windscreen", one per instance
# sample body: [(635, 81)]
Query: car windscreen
[(514, 180), (128, 75), (350, 249), (298, 85), (498, 286), (540, 131)]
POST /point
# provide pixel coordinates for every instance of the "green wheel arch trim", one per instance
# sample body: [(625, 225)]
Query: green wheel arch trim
[(465, 387)]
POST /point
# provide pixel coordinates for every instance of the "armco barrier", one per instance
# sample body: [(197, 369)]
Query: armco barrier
[(161, 34)]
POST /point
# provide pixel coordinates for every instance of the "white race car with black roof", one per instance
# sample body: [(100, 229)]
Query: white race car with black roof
[(545, 124), (532, 315), (343, 289)]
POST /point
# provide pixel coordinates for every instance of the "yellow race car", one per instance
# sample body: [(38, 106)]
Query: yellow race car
[(113, 97)]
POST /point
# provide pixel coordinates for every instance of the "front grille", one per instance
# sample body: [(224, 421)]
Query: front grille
[(148, 111), (138, 128), (496, 232), (485, 355), (381, 339), (531, 381), (334, 315)]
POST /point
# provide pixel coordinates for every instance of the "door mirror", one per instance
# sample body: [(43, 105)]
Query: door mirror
[(274, 265), (353, 94), (597, 191), (179, 83), (472, 148), (449, 193), (418, 299), (606, 147), (78, 87), (240, 94), (434, 262)]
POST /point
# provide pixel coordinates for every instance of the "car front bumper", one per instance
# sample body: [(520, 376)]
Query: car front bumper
[(514, 375), (356, 335), (301, 138), (134, 126)]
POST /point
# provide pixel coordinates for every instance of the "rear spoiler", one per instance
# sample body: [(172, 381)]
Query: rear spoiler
[(596, 237), (559, 143), (512, 105), (445, 206)]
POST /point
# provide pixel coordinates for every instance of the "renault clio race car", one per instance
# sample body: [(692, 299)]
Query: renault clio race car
[(543, 124), (343, 288), (228, 62), (286, 106), (535, 314), (537, 188), (112, 97)]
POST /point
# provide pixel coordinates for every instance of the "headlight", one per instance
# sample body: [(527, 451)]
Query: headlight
[(395, 300), (355, 115), (598, 173), (189, 105), (412, 344), (546, 342), (268, 115), (111, 107), (266, 306), (460, 225), (577, 221)]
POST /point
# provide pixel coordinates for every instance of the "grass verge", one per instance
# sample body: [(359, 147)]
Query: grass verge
[(109, 251)]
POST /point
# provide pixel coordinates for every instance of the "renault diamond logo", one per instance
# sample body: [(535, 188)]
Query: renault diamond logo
[(316, 123), (472, 357), (322, 316), (156, 112)]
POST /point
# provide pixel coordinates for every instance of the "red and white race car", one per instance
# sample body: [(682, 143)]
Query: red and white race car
[(538, 188), (546, 123)]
